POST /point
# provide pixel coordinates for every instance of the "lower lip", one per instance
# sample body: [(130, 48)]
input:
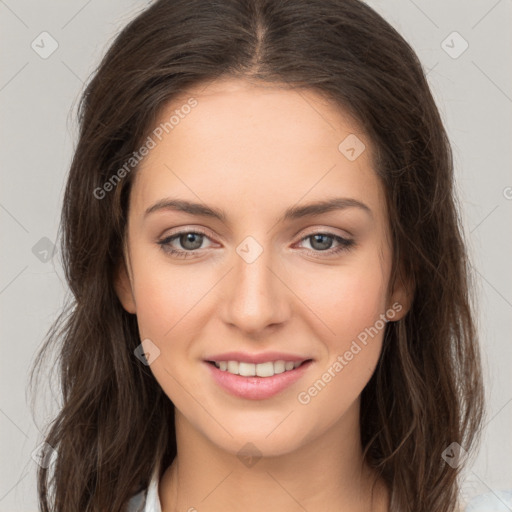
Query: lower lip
[(256, 388)]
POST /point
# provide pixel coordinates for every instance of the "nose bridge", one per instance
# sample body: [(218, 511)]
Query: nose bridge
[(257, 296)]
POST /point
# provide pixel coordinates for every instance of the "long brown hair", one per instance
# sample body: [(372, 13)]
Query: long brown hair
[(116, 424)]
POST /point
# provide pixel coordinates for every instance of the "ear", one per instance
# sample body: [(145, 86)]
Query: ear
[(123, 288), (401, 298)]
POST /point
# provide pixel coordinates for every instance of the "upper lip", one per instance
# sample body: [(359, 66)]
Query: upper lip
[(257, 358)]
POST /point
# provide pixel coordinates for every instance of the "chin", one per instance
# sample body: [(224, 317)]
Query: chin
[(263, 437)]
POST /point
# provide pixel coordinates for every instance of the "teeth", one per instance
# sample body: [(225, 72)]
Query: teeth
[(233, 367), (246, 369), (279, 366), (264, 369), (267, 369)]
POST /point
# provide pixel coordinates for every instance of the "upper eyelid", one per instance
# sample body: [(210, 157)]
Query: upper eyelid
[(206, 231), (174, 234)]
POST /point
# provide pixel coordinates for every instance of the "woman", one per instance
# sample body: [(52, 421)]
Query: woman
[(272, 303)]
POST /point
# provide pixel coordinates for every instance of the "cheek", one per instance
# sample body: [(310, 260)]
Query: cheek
[(165, 295), (168, 302), (349, 304), (345, 299), (354, 313)]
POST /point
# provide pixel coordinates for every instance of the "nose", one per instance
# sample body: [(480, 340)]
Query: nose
[(256, 296)]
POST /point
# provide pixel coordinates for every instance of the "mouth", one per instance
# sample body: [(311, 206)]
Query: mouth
[(256, 381)]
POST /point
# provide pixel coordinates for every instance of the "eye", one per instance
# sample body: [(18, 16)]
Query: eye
[(322, 243), (191, 241)]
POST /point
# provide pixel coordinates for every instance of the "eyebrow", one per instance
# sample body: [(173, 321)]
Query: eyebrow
[(292, 213)]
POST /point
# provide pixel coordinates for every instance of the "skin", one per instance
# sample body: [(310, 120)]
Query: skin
[(255, 151)]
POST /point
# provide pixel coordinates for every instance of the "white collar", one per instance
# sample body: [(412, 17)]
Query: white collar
[(152, 499)]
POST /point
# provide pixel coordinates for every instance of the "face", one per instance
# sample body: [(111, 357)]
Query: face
[(258, 277)]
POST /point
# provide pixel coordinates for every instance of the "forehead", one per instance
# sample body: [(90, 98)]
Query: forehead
[(253, 146), (238, 116)]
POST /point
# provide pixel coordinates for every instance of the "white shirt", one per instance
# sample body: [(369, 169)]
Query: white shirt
[(147, 500)]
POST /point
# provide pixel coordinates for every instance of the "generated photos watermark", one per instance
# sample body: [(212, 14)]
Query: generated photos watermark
[(149, 144), (342, 360)]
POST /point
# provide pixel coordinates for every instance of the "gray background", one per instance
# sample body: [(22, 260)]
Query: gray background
[(38, 98)]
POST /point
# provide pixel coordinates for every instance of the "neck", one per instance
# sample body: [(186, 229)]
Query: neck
[(326, 474)]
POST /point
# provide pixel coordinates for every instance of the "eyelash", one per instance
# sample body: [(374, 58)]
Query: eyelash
[(345, 244)]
